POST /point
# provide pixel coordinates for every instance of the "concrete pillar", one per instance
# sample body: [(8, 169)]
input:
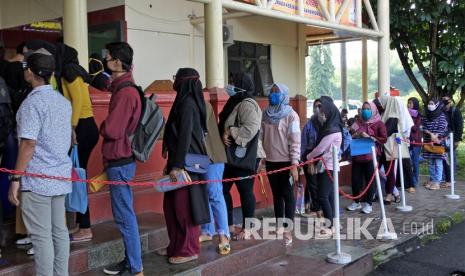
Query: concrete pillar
[(364, 69), (344, 74), (214, 51), (301, 52), (383, 48), (75, 28)]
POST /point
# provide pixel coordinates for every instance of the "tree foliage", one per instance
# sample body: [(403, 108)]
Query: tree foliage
[(320, 72), (430, 35)]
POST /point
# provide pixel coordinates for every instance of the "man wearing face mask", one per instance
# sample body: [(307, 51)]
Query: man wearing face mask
[(239, 125), (455, 123)]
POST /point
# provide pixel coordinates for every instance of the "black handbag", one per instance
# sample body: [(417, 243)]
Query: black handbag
[(243, 157)]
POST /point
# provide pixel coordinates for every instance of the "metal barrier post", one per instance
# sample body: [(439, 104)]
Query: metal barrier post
[(404, 207), (386, 235), (452, 194), (337, 257)]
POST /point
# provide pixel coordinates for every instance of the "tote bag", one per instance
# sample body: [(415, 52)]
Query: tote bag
[(76, 201)]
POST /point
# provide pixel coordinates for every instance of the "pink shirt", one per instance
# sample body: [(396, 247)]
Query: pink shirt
[(323, 149), (281, 141)]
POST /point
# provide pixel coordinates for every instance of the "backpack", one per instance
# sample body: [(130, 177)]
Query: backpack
[(150, 125), (345, 145)]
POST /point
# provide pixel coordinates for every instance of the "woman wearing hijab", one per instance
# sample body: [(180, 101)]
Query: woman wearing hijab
[(415, 137), (280, 135), (99, 78), (308, 143), (239, 125), (75, 87), (329, 135), (398, 122), (185, 208), (368, 126), (434, 130)]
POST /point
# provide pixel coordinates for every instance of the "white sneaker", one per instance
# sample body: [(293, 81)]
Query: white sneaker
[(354, 206), (367, 209), (24, 241), (30, 251)]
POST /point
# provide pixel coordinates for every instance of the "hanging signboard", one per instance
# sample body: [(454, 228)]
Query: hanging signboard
[(50, 26)]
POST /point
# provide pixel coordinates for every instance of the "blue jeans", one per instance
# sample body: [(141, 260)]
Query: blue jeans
[(218, 211), (415, 156), (124, 215), (435, 170)]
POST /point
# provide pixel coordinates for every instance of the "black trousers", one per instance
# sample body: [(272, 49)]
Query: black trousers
[(87, 136), (408, 173), (326, 194), (283, 192), (311, 191), (245, 189), (361, 176)]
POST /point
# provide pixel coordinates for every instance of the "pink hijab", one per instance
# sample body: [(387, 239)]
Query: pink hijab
[(375, 117)]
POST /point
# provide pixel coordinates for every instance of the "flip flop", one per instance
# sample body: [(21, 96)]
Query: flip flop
[(72, 239), (181, 260)]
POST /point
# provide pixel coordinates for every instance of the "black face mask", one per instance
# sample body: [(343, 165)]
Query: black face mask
[(446, 102)]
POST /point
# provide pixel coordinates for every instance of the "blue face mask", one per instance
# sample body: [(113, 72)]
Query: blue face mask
[(230, 89), (274, 98), (366, 114)]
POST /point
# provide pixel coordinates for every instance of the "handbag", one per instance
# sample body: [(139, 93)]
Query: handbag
[(197, 163), (437, 149), (95, 185), (77, 200), (243, 157), (164, 184)]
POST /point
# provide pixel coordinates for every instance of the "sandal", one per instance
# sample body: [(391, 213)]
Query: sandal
[(434, 187), (182, 260), (243, 235), (445, 185), (397, 198), (326, 233), (204, 238), (74, 239), (224, 248), (287, 238), (162, 251)]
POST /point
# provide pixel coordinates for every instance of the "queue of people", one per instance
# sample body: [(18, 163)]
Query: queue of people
[(244, 139)]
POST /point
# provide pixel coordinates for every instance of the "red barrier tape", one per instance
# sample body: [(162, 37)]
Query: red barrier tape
[(153, 183)]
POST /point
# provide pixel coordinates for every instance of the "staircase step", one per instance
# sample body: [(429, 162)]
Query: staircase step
[(244, 255), (106, 247)]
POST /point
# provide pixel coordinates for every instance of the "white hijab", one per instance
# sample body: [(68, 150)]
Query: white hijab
[(395, 108)]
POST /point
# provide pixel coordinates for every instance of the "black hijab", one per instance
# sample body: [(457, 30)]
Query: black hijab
[(333, 122), (416, 103), (69, 63), (241, 80), (433, 115), (36, 44), (187, 84)]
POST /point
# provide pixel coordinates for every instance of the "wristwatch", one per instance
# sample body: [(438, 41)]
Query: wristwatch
[(14, 178)]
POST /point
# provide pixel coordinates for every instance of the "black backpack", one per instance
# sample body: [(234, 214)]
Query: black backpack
[(150, 125)]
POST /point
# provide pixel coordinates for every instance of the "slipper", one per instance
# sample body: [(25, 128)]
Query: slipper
[(224, 248), (434, 187), (445, 185), (162, 252), (181, 260), (241, 236), (72, 239), (204, 238)]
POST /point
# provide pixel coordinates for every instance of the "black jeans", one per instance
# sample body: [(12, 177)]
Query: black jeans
[(245, 189), (361, 176), (87, 135), (408, 173), (326, 194), (311, 191), (283, 192)]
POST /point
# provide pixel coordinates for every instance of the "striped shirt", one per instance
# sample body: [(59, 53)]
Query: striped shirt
[(437, 126)]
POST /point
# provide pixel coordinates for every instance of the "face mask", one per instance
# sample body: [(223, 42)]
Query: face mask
[(366, 114), (431, 107), (230, 90), (321, 118), (274, 98)]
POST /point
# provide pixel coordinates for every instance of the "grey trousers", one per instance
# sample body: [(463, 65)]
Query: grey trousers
[(44, 217)]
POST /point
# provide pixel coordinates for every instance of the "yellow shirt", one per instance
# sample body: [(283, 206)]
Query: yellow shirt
[(77, 92)]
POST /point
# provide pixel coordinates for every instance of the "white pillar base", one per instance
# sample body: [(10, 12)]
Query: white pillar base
[(455, 197), (335, 258), (405, 208), (387, 236)]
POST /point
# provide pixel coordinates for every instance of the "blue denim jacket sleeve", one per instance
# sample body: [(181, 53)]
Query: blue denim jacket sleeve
[(308, 140)]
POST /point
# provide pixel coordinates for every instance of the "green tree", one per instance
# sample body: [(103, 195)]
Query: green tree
[(430, 35), (320, 72)]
